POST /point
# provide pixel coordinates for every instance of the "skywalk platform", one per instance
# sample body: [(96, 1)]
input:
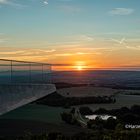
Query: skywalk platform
[(14, 96), (23, 82)]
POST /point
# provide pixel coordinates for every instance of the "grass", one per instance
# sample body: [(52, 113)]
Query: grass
[(36, 112)]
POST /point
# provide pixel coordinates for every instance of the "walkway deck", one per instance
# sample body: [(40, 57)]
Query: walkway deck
[(23, 82)]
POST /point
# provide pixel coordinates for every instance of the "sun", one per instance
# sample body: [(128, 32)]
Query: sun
[(80, 65), (79, 68)]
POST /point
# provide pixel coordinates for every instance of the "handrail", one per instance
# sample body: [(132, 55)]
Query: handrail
[(23, 70), (24, 61)]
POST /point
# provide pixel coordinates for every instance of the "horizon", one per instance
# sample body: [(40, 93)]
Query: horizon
[(87, 70), (72, 34)]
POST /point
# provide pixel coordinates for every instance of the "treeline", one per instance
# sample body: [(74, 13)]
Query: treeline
[(126, 87), (124, 116), (69, 118), (56, 99), (135, 109), (67, 85)]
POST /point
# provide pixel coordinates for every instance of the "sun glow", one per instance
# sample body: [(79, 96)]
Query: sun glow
[(80, 65), (79, 68)]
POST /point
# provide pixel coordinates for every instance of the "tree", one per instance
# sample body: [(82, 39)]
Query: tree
[(85, 110), (101, 111), (110, 123), (119, 127), (72, 111), (135, 109)]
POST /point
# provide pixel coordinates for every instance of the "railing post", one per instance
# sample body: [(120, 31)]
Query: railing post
[(42, 73), (11, 71), (30, 72), (50, 73)]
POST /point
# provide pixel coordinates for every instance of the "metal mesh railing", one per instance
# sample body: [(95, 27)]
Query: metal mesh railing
[(12, 72)]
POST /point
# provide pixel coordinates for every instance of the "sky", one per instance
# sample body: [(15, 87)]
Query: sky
[(72, 34)]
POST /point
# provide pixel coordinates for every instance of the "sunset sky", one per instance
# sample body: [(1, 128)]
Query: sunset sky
[(72, 34)]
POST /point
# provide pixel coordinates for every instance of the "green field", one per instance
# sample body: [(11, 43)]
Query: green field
[(121, 101), (36, 112)]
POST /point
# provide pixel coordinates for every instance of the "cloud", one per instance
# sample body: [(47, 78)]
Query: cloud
[(26, 52), (11, 3), (3, 1), (133, 47), (46, 2), (11, 53), (86, 38), (15, 4), (132, 43), (122, 41), (131, 66), (121, 11), (88, 53), (2, 38), (64, 54), (77, 53)]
